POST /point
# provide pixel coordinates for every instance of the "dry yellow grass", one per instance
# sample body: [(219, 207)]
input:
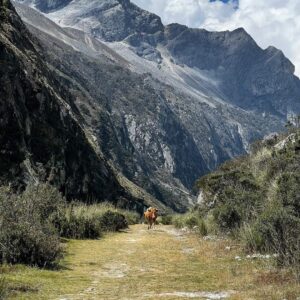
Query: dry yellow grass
[(160, 264)]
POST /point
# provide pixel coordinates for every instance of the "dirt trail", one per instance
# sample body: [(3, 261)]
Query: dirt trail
[(164, 263), (147, 264)]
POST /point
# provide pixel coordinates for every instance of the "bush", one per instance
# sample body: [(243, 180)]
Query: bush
[(78, 224), (277, 231), (227, 216), (202, 228), (31, 244), (44, 201), (178, 221), (166, 219), (251, 238), (27, 234), (32, 222), (82, 221), (211, 225), (113, 221), (288, 190), (3, 288), (192, 220), (131, 217)]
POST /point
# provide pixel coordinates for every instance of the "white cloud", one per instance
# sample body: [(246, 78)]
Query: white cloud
[(189, 12), (269, 22)]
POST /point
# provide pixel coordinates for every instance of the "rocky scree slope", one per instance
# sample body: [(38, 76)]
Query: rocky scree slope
[(43, 135)]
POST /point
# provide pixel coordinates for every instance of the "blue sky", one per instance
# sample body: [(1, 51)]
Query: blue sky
[(269, 22)]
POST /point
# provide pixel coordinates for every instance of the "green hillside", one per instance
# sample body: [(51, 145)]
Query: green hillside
[(257, 198)]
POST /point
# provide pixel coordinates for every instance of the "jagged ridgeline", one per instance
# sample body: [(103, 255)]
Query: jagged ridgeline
[(43, 136)]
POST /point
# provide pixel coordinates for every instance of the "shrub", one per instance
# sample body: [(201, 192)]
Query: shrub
[(3, 288), (202, 228), (277, 230), (31, 244), (82, 221), (27, 234), (78, 224), (210, 224), (43, 200), (280, 231), (131, 217), (288, 190), (251, 238), (227, 216), (178, 221), (166, 219), (32, 222), (112, 221), (192, 220)]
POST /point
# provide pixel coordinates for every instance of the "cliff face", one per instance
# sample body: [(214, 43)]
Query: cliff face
[(40, 136), (43, 135)]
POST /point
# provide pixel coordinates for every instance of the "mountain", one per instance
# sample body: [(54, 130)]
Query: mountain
[(247, 76), (164, 105), (43, 135)]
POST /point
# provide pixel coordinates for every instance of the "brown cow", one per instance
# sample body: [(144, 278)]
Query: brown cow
[(151, 215)]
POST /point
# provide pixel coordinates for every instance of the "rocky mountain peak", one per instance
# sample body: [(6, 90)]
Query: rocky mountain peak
[(110, 20), (278, 60), (124, 2), (46, 6), (51, 5), (174, 30)]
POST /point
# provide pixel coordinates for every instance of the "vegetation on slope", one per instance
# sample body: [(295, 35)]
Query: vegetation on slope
[(256, 198), (259, 195)]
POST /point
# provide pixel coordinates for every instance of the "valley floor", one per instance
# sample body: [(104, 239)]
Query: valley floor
[(164, 263)]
